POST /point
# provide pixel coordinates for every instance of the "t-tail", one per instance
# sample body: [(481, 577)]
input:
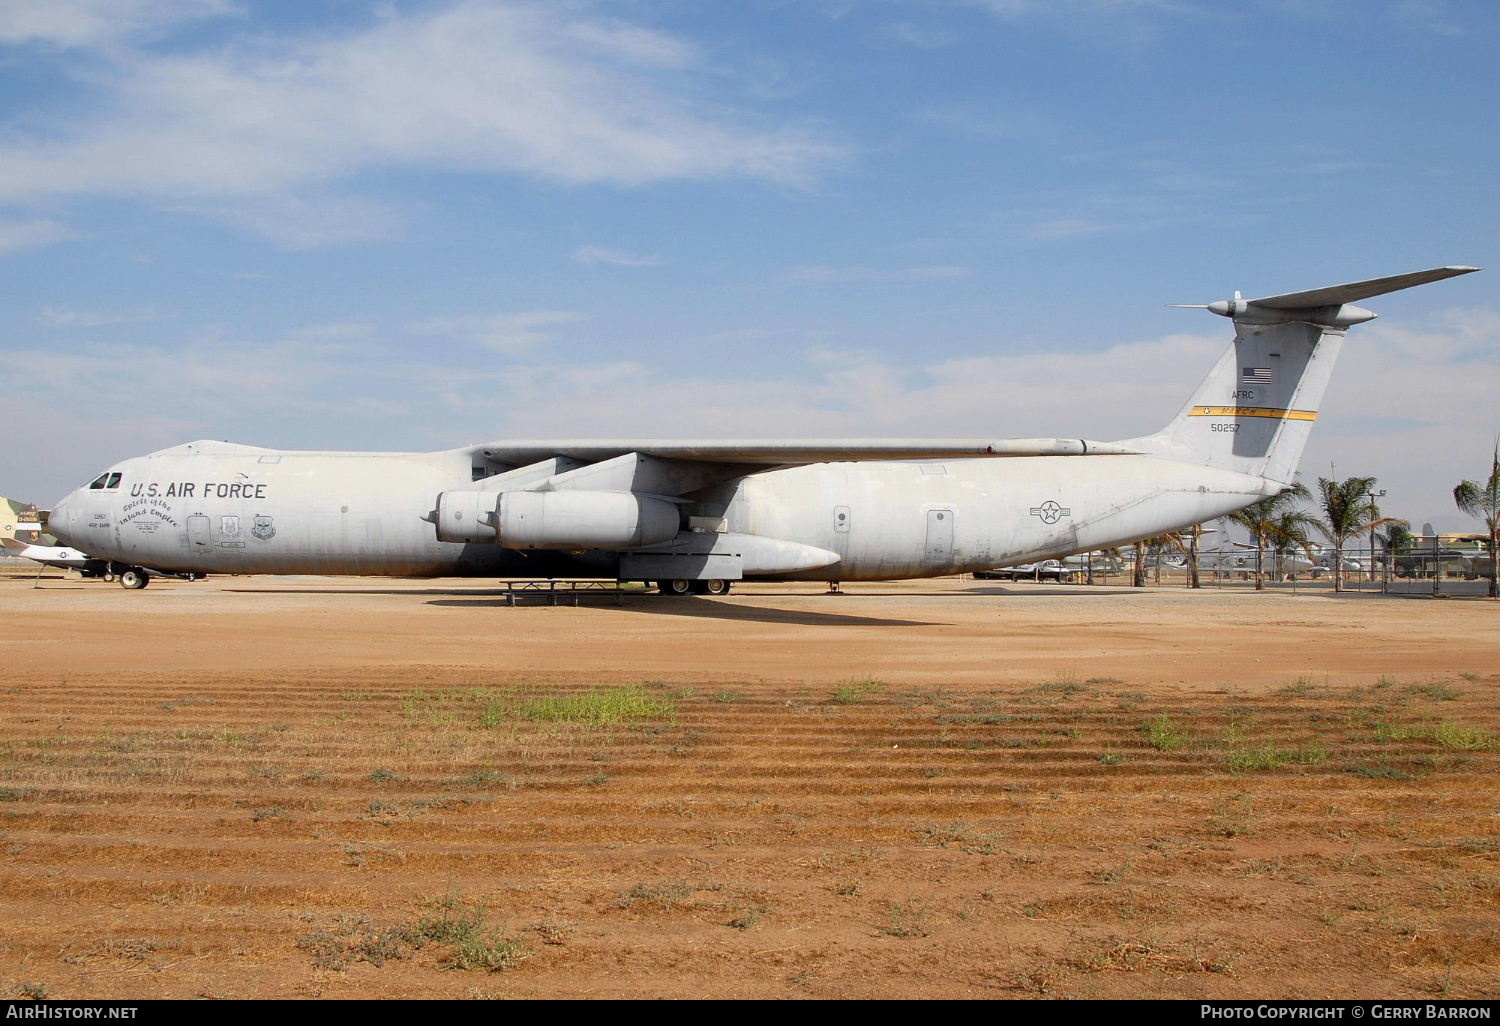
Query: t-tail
[(1254, 411)]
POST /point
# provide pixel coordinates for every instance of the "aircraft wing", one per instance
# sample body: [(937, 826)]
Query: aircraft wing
[(795, 452), (659, 471)]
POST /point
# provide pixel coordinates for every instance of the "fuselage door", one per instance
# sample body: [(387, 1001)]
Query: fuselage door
[(198, 535), (939, 537)]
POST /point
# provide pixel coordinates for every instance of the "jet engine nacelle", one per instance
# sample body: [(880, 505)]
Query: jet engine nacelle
[(465, 516), (583, 520)]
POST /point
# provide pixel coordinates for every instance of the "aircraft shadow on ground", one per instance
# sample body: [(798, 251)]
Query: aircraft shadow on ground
[(367, 591), (1030, 590), (709, 609)]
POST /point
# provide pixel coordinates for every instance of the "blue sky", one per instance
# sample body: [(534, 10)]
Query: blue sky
[(416, 225)]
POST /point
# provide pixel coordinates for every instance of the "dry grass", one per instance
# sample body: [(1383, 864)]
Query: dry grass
[(266, 837)]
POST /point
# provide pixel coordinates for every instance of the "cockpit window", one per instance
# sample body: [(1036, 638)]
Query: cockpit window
[(98, 482), (105, 480), (114, 481)]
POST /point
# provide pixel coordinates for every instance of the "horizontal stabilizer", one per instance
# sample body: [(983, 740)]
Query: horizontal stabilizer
[(1336, 295)]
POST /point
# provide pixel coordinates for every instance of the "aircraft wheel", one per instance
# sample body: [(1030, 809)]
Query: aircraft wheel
[(716, 586), (134, 579), (676, 587), (107, 576)]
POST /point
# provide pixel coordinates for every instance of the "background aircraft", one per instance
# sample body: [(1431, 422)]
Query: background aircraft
[(23, 522), (695, 515), (59, 556)]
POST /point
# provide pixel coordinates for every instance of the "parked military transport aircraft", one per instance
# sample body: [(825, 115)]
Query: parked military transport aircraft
[(694, 516)]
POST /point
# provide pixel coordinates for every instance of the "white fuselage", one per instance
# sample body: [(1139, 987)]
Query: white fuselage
[(261, 511)]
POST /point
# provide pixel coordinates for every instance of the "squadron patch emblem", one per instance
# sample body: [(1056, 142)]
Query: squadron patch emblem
[(264, 529)]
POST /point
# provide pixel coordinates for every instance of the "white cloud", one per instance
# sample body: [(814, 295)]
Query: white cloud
[(1073, 8), (250, 131), (820, 273), (503, 333), (590, 255), (1434, 16), (1125, 390), (89, 23), (1071, 228), (1456, 334), (981, 123), (333, 332), (300, 221), (203, 378), (17, 235), (924, 37), (58, 318)]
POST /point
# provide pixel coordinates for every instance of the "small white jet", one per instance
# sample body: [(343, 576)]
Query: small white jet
[(60, 556), (694, 515)]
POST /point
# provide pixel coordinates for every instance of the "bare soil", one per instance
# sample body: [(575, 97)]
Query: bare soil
[(303, 787)]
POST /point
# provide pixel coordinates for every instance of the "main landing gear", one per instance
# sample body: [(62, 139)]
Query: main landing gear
[(133, 578), (682, 586)]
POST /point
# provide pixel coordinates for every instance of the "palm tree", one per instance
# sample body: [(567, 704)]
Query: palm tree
[(1158, 547), (1483, 501), (1347, 511), (1394, 540), (1271, 520), (1193, 534), (1184, 541), (1288, 534)]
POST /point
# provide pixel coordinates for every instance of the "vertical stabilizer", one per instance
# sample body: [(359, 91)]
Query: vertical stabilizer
[(1255, 410), (22, 522)]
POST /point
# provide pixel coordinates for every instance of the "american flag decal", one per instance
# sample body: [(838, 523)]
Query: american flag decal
[(1255, 375)]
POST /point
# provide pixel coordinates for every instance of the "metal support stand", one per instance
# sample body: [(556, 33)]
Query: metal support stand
[(570, 589)]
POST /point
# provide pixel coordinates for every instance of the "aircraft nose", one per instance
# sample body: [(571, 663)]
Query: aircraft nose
[(60, 522)]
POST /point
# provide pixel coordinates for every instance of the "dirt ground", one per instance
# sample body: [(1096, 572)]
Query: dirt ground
[(306, 787)]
